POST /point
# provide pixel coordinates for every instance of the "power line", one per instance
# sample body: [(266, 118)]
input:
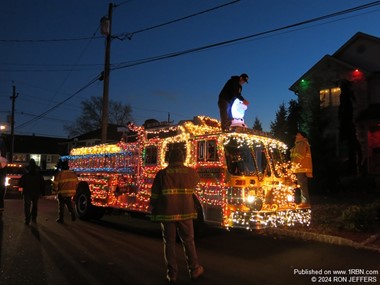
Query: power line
[(121, 36), (130, 35), (175, 54), (50, 118), (179, 53), (122, 3), (59, 104)]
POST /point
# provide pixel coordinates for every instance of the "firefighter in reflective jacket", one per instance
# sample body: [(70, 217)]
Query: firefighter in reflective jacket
[(172, 204), (301, 159), (65, 185)]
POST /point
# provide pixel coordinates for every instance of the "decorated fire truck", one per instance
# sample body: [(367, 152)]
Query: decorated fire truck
[(245, 180)]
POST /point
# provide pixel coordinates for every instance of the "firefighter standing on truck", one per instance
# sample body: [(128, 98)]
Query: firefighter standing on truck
[(173, 205), (65, 185)]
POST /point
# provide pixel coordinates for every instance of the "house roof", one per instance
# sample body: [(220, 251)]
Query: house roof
[(330, 66), (112, 134), (361, 51)]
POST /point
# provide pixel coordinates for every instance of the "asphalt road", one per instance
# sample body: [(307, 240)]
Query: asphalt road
[(121, 250)]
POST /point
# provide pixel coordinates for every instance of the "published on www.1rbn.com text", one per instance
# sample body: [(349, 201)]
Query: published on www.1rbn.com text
[(353, 275)]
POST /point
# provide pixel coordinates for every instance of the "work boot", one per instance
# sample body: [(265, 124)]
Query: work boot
[(59, 221), (171, 279), (196, 273), (73, 217)]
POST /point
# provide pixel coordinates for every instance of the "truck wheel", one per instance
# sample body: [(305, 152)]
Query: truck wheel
[(83, 204)]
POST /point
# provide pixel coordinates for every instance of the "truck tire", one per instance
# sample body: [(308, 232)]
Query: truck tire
[(83, 204)]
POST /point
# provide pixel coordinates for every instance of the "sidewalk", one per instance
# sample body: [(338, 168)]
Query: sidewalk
[(372, 242)]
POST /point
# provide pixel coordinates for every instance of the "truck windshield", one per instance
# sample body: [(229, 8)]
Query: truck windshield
[(278, 160), (239, 159)]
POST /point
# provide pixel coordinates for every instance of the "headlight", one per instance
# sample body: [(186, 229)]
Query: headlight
[(250, 199), (290, 198), (254, 203)]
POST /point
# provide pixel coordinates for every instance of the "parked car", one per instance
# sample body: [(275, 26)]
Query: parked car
[(48, 175), (12, 180)]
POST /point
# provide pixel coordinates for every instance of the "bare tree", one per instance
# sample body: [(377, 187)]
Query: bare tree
[(91, 117)]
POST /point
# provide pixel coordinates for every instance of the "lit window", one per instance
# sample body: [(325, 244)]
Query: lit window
[(329, 97)]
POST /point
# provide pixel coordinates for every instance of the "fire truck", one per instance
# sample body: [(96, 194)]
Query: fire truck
[(245, 179)]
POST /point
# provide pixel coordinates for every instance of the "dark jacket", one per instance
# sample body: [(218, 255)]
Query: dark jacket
[(33, 184), (231, 90), (172, 193), (3, 175)]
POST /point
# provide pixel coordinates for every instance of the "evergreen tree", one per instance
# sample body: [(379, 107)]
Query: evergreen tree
[(293, 121), (279, 128), (257, 125)]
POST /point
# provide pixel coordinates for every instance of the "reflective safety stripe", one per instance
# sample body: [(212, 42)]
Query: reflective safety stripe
[(154, 196), (302, 170), (184, 191), (66, 191), (176, 170), (170, 218), (66, 180)]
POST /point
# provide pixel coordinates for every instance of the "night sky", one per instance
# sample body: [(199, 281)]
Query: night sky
[(167, 57)]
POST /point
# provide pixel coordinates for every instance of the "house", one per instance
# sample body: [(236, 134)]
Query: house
[(44, 150), (346, 85), (114, 134)]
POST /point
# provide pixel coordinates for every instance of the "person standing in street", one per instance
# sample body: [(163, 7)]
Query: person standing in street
[(65, 185), (33, 186), (172, 204), (231, 90), (301, 159), (3, 175)]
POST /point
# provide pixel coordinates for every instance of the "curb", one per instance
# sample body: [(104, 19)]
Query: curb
[(327, 238)]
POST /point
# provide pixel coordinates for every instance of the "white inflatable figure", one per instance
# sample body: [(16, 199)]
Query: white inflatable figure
[(238, 109)]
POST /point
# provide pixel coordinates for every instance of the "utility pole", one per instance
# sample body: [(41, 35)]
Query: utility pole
[(106, 25), (13, 98)]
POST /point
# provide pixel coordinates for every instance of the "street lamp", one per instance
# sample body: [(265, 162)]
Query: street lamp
[(105, 24)]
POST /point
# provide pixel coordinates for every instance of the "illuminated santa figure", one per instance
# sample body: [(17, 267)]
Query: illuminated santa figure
[(237, 111)]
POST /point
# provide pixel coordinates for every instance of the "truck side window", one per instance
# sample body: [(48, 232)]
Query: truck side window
[(207, 151), (201, 151), (212, 151), (150, 155)]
